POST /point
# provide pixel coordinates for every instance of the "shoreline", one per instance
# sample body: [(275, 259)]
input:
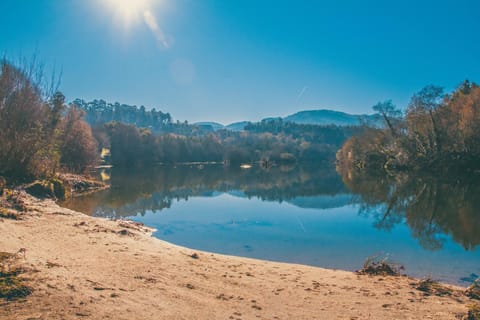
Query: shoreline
[(92, 268)]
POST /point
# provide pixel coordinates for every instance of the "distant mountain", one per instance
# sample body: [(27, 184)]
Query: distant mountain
[(329, 117), (98, 112), (321, 117), (214, 125), (237, 126)]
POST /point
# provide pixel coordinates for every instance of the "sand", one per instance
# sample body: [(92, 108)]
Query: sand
[(81, 267)]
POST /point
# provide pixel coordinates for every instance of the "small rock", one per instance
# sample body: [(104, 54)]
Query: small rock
[(194, 256)]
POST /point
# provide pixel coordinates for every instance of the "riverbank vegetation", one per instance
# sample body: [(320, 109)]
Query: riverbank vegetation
[(437, 132), (39, 135)]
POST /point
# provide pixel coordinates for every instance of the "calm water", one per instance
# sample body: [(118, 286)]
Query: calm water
[(306, 215)]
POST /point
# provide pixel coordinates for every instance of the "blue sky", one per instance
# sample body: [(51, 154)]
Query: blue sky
[(247, 59)]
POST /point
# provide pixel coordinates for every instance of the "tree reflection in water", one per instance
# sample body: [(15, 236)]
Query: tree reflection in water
[(432, 207), (156, 188)]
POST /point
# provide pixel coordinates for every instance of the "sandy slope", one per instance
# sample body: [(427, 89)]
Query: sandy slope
[(90, 268)]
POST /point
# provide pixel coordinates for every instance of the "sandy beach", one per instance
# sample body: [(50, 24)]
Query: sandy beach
[(80, 267)]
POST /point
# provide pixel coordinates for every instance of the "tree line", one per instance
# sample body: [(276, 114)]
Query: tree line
[(267, 142), (437, 131), (99, 112)]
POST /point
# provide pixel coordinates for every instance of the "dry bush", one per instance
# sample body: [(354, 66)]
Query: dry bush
[(380, 265)]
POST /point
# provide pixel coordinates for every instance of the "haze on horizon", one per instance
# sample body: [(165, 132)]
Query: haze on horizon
[(228, 61)]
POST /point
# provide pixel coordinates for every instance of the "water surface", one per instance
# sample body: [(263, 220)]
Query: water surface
[(303, 214)]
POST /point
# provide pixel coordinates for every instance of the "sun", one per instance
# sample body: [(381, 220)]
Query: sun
[(128, 12)]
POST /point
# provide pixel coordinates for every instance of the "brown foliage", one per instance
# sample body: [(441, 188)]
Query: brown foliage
[(438, 131), (25, 125), (33, 136), (78, 147)]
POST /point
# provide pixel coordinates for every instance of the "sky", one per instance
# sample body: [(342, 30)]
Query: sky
[(227, 61)]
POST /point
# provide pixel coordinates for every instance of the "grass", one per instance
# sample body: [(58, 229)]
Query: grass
[(473, 312), (8, 214), (379, 265), (473, 291), (432, 287), (11, 285), (10, 202)]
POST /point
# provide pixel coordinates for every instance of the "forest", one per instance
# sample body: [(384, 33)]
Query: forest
[(437, 132)]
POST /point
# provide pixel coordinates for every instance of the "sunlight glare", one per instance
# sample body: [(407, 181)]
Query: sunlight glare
[(129, 11)]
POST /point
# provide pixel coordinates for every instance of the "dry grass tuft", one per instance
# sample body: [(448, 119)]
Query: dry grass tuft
[(432, 287), (473, 312), (11, 285), (473, 291), (380, 266), (8, 214)]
